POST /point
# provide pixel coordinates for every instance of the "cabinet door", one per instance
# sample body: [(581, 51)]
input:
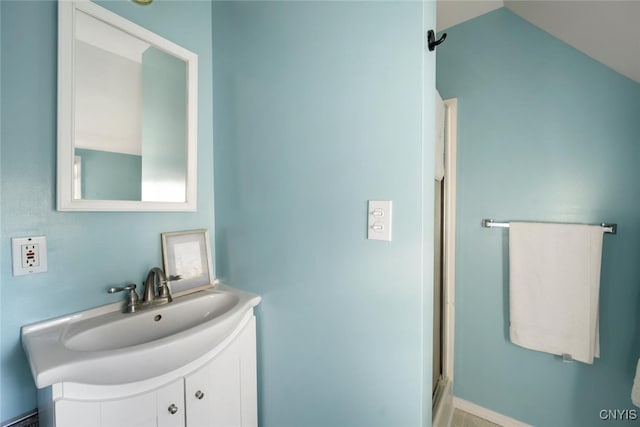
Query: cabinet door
[(171, 408), (223, 392), (163, 407), (71, 413), (136, 411)]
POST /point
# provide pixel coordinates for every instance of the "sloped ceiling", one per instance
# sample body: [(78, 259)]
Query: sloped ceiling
[(453, 12), (606, 30)]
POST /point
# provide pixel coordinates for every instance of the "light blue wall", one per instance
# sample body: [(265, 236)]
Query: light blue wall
[(87, 251), (547, 134), (318, 107), (110, 176)]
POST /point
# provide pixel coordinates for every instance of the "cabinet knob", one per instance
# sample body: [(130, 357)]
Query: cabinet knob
[(199, 395), (173, 409)]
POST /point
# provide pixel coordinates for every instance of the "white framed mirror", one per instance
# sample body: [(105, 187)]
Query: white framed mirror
[(127, 115)]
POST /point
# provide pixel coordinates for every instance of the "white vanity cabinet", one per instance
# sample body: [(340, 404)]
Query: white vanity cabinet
[(216, 390), (162, 408), (223, 392)]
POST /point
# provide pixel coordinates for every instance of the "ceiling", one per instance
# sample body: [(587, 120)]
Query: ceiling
[(107, 37), (606, 30)]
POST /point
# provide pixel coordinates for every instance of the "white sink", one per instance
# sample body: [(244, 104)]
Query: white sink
[(114, 331), (104, 346)]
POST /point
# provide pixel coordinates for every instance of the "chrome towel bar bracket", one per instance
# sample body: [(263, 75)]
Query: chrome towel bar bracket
[(489, 223)]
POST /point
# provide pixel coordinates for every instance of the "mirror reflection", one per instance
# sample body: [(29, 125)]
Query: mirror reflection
[(130, 117)]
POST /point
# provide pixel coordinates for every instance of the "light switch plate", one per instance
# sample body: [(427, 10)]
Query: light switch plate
[(379, 221), (29, 255)]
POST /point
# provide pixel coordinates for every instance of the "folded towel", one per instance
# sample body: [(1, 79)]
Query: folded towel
[(554, 285), (635, 391)]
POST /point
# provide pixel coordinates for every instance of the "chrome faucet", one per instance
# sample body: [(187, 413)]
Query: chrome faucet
[(156, 287), (132, 297), (157, 291)]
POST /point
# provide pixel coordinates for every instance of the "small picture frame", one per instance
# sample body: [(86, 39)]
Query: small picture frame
[(188, 254)]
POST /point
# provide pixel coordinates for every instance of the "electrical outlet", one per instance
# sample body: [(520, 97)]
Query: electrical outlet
[(29, 255)]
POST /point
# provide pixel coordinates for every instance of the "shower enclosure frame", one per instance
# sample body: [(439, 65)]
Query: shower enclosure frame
[(443, 401)]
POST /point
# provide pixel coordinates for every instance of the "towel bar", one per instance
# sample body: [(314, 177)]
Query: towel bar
[(489, 223)]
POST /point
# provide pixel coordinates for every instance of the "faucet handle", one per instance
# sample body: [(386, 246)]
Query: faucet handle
[(129, 287), (165, 287), (132, 298)]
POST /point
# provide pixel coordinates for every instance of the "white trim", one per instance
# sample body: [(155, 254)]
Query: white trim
[(443, 412), (449, 251), (487, 414), (65, 151)]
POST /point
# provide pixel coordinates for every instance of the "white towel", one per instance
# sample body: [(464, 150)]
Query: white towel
[(635, 391), (554, 285)]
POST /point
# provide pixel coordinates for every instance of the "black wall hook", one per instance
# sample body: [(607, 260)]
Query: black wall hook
[(432, 42)]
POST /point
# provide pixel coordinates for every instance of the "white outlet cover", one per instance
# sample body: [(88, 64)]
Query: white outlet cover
[(36, 248)]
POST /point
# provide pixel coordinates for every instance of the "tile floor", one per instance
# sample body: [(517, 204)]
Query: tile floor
[(465, 419)]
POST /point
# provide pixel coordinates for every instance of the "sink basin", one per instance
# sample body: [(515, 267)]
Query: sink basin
[(103, 346), (115, 331)]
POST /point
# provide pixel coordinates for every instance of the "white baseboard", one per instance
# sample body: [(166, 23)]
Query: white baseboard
[(443, 412), (487, 414)]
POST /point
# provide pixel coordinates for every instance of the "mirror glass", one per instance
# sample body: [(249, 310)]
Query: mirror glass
[(127, 113)]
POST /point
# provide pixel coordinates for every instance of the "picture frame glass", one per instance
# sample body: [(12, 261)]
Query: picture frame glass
[(187, 254)]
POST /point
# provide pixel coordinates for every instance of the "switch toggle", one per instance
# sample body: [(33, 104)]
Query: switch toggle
[(379, 221)]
